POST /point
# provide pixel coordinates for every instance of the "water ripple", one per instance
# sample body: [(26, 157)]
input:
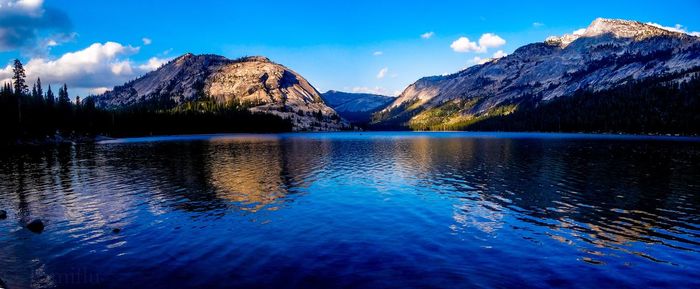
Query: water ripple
[(400, 210)]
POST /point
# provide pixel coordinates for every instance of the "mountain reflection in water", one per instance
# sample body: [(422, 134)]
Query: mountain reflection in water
[(393, 210)]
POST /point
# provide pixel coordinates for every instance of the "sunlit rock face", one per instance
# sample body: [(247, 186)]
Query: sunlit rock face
[(614, 27), (257, 82), (607, 54)]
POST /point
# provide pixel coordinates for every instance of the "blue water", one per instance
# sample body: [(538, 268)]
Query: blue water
[(355, 210)]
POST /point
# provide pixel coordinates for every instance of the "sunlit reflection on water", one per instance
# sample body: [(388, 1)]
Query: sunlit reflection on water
[(391, 210)]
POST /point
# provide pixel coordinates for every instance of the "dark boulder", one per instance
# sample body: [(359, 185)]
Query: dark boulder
[(3, 214), (36, 226), (116, 230)]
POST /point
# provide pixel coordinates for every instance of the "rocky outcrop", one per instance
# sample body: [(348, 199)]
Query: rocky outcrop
[(256, 82)]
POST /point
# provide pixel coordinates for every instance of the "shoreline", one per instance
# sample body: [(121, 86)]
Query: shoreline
[(72, 140), (406, 134), (56, 140)]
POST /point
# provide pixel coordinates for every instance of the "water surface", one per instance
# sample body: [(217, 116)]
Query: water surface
[(355, 210)]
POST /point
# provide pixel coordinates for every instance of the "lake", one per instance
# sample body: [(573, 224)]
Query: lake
[(354, 210)]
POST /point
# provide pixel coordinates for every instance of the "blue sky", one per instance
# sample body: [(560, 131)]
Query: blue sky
[(342, 45)]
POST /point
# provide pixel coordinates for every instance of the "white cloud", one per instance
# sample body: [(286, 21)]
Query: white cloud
[(146, 41), (479, 60), (427, 35), (490, 40), (486, 41), (463, 44), (499, 54), (382, 72), (677, 28), (496, 55), (373, 90), (578, 32), (153, 64), (121, 68), (98, 90), (567, 38), (377, 53), (537, 24), (93, 68), (26, 26), (22, 4), (31, 4)]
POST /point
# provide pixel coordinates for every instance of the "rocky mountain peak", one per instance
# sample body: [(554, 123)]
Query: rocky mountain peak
[(607, 54), (625, 29), (255, 58), (617, 28), (254, 81)]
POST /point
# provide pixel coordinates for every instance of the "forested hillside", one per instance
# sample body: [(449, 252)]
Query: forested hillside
[(34, 115), (650, 106)]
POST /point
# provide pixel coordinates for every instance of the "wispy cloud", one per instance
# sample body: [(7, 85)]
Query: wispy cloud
[(98, 90), (427, 35), (378, 53), (146, 41), (374, 90), (499, 54), (496, 55), (479, 60), (537, 24), (677, 28), (382, 72), (153, 63)]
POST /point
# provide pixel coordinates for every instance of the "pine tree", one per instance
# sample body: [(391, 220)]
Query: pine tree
[(18, 78), (50, 98), (89, 103), (50, 119), (39, 91), (63, 99), (65, 114)]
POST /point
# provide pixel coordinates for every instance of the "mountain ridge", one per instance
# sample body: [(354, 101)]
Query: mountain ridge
[(356, 107), (608, 54), (253, 81), (617, 27)]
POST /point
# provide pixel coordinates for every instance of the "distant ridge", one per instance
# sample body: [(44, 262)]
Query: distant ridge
[(356, 107)]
